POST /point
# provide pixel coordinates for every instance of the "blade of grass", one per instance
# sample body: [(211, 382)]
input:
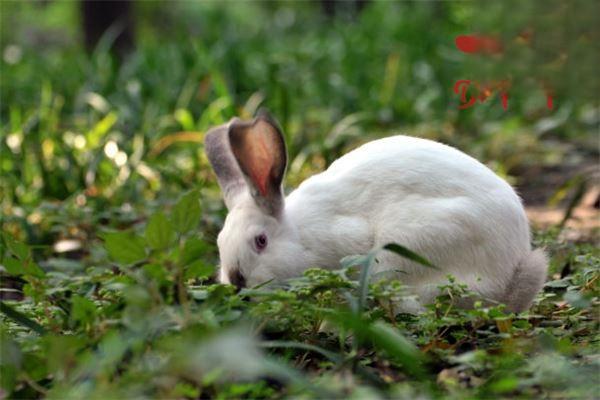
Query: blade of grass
[(364, 262), (409, 254), (21, 318), (384, 338), (338, 359), (302, 346), (575, 201), (364, 281)]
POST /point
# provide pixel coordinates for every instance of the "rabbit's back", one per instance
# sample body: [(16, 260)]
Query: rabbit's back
[(424, 195), (388, 170)]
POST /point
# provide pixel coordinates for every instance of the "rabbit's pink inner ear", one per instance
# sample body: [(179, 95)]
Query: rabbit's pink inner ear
[(262, 162), (260, 151)]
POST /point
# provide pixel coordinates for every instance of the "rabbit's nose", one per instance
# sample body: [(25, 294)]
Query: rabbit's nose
[(237, 279)]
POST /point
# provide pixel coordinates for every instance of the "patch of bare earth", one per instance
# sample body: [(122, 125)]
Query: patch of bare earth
[(583, 225)]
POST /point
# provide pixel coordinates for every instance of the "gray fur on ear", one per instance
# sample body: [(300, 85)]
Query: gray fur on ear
[(229, 175)]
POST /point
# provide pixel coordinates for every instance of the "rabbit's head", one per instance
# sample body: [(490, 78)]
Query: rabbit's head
[(249, 159)]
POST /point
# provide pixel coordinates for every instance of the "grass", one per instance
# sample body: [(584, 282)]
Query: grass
[(110, 210)]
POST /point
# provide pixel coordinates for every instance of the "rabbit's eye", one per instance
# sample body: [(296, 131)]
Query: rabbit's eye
[(260, 241)]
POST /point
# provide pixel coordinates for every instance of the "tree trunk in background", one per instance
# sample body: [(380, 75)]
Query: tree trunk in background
[(330, 7), (98, 16)]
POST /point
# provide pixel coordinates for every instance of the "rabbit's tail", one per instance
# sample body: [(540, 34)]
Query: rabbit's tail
[(527, 280)]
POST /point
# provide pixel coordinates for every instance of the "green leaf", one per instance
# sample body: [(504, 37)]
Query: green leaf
[(186, 390), (385, 338), (83, 310), (577, 299), (111, 350), (186, 213), (13, 266), (303, 346), (199, 269), (159, 232), (101, 128), (406, 253), (36, 366), (22, 262), (11, 359), (559, 283), (156, 272), (32, 269), (62, 350), (185, 119), (19, 249), (364, 262), (21, 318), (124, 247), (8, 377), (396, 346), (505, 384), (193, 249)]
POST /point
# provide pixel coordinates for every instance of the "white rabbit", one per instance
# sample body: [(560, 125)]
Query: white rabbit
[(426, 196)]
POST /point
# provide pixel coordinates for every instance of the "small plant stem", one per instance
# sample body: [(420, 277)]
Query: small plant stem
[(181, 290), (34, 385), (391, 312)]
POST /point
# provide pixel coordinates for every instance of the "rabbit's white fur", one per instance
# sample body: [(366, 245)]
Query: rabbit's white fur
[(426, 196)]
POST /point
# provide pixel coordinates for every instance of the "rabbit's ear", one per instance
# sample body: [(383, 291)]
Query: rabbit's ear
[(229, 175), (259, 148)]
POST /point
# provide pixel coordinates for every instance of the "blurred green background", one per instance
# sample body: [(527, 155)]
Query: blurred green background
[(101, 135), (77, 122)]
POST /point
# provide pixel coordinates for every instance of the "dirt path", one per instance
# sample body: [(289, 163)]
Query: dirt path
[(543, 183)]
